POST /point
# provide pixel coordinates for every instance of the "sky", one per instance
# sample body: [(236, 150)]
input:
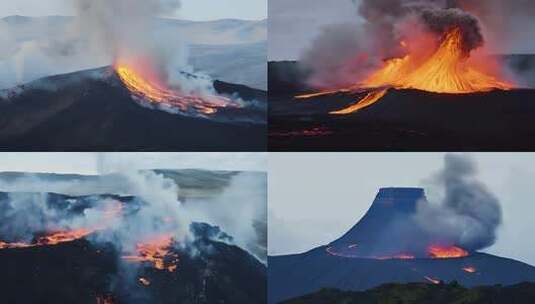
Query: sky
[(293, 24), (191, 9), (314, 198), (95, 163)]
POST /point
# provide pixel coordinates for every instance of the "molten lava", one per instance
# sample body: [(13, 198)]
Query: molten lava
[(446, 70), (63, 236), (156, 251), (146, 85), (440, 252)]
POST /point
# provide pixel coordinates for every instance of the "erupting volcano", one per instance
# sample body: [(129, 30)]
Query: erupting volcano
[(446, 70), (146, 84), (389, 246)]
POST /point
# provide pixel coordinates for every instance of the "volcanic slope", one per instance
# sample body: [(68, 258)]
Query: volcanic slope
[(90, 268), (402, 120), (365, 257), (93, 111)]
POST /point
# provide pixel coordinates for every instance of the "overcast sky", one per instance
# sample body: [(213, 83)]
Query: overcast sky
[(93, 163), (293, 24), (314, 198), (191, 9)]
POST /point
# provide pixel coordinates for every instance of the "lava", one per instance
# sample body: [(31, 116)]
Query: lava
[(469, 269), (440, 252), (446, 70), (144, 84), (156, 251), (55, 237)]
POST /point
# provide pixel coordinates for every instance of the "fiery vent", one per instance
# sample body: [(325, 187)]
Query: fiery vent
[(446, 70), (147, 85), (156, 251), (440, 252)]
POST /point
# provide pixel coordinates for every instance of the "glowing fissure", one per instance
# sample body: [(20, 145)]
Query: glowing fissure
[(447, 70), (442, 252), (63, 236), (470, 269), (156, 251), (148, 87)]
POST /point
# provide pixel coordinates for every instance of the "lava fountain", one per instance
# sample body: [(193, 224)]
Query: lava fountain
[(447, 69), (145, 83)]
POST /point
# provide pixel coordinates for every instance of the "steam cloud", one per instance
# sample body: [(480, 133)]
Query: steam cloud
[(467, 214), (161, 211), (353, 52)]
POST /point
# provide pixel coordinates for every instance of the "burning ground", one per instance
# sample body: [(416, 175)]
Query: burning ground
[(145, 247), (404, 238), (408, 62)]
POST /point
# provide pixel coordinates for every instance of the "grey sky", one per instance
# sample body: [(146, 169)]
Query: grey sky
[(293, 24), (316, 197), (93, 163), (191, 9)]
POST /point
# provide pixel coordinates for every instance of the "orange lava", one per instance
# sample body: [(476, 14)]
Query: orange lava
[(141, 82), (440, 252), (469, 269), (64, 236), (156, 251), (446, 70)]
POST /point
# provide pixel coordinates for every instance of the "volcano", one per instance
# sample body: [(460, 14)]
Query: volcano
[(78, 269), (406, 116), (387, 246), (96, 110)]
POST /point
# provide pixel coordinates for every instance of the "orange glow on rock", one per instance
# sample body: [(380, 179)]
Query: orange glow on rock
[(440, 252), (156, 251)]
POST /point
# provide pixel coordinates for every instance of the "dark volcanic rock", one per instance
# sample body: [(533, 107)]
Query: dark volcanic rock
[(79, 272), (386, 229), (403, 120), (93, 111)]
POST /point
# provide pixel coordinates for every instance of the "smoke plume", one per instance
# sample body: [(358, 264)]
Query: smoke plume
[(385, 24), (466, 213)]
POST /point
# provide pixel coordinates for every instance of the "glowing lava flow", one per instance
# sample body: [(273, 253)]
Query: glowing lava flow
[(447, 70), (156, 251), (64, 236), (152, 89), (439, 252)]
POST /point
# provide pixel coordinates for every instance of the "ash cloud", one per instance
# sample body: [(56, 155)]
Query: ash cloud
[(385, 23), (466, 213)]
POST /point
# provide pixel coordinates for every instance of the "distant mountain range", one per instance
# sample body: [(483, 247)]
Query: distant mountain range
[(215, 45)]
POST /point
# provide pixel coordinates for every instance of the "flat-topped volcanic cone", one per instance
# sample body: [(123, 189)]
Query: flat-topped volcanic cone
[(388, 246), (395, 118), (95, 111)]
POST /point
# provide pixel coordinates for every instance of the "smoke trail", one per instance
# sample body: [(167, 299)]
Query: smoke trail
[(468, 214)]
